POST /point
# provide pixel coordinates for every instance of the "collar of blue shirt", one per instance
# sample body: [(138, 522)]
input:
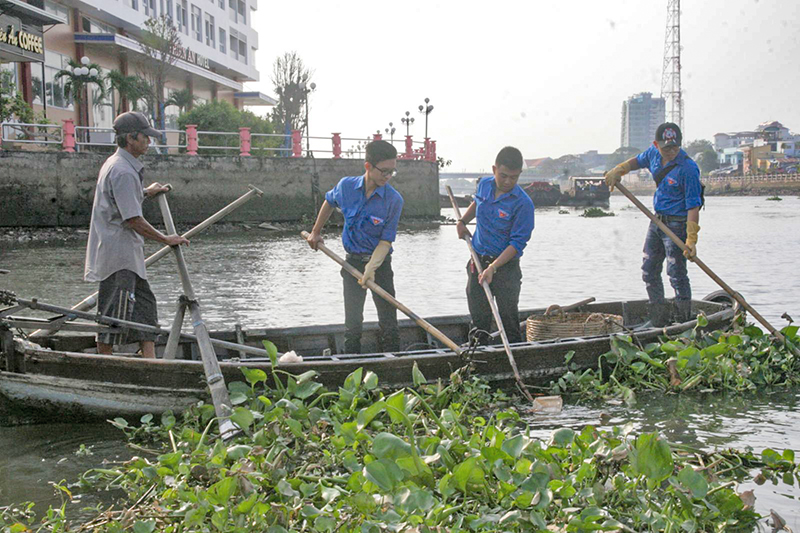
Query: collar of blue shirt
[(379, 191)]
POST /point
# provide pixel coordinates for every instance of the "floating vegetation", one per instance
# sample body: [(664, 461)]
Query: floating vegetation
[(594, 212), (434, 458), (745, 359), (774, 199), (563, 212)]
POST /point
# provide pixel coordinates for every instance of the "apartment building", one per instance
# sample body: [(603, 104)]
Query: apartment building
[(641, 116)]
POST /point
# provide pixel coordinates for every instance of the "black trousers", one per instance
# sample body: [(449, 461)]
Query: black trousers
[(354, 297), (506, 284)]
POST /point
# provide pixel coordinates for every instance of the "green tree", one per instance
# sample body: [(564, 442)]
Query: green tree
[(79, 79), (707, 160), (621, 155), (697, 147), (183, 99), (219, 115), (11, 102), (130, 88)]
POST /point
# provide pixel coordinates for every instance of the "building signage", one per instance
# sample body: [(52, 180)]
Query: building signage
[(20, 39), (193, 57)]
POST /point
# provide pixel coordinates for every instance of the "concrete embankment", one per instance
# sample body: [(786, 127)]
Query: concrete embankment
[(39, 189)]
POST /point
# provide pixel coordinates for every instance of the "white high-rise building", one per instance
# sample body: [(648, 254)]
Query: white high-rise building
[(641, 116)]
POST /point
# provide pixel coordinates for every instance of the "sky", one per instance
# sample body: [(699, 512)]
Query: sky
[(546, 77)]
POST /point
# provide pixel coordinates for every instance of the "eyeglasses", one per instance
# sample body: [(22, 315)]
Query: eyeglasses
[(389, 172)]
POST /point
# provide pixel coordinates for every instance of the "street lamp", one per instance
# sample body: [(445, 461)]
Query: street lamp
[(390, 130), (407, 121), (307, 90), (426, 110)]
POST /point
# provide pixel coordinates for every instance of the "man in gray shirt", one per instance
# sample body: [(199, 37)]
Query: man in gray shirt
[(115, 252)]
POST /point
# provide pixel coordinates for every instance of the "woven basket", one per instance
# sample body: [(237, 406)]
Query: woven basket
[(559, 325)]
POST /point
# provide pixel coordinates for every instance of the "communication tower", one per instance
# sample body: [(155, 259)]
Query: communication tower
[(671, 75)]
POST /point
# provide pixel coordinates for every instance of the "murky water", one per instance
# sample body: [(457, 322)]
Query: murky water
[(258, 278)]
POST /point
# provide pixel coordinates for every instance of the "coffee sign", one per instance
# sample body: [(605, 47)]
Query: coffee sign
[(19, 36)]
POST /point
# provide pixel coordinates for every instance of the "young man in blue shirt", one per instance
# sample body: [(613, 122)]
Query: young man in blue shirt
[(371, 209), (677, 203), (504, 224)]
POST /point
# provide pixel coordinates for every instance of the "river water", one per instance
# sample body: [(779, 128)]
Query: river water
[(258, 278)]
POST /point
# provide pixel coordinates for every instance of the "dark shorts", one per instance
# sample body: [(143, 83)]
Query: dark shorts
[(126, 296)]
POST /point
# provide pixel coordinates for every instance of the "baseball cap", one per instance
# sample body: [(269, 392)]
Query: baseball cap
[(668, 134), (133, 122)]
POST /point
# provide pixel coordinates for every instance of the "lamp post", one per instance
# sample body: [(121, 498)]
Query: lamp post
[(307, 90), (390, 131), (426, 110), (408, 121)]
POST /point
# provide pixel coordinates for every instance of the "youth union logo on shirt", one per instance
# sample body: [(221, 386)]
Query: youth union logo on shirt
[(376, 221), (671, 181), (502, 214)]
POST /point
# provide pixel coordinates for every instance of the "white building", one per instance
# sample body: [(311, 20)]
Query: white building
[(641, 116)]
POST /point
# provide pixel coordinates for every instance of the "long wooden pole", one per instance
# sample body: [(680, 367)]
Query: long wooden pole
[(90, 301), (736, 296), (495, 311), (214, 378), (421, 322)]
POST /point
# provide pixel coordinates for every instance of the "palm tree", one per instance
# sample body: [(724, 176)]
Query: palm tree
[(183, 99), (130, 88), (81, 77)]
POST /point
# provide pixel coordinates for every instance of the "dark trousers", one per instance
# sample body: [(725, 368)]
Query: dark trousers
[(506, 284), (354, 297), (657, 247)]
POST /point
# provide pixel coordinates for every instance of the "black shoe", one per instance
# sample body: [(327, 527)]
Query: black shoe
[(659, 314), (683, 311)]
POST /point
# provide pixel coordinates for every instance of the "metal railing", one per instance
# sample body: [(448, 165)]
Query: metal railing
[(750, 178), (25, 133)]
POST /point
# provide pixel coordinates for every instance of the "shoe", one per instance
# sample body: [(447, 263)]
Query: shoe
[(682, 310), (659, 314)]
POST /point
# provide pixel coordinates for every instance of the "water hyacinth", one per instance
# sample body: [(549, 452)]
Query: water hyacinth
[(437, 457)]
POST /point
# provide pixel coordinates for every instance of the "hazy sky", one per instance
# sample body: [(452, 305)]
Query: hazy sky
[(547, 77)]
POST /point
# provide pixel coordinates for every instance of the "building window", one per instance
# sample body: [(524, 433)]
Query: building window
[(54, 87), (222, 39), (221, 4), (167, 9), (133, 4), (180, 16), (242, 11), (92, 26), (238, 46), (57, 10), (211, 31), (197, 23), (149, 8), (232, 10)]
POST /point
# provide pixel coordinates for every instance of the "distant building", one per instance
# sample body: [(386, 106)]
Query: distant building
[(641, 116), (765, 148)]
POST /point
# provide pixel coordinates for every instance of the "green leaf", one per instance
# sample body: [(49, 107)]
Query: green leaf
[(388, 446), (383, 473), (242, 417), (366, 415), (238, 398), (468, 473), (146, 419), (694, 482), (514, 446), (561, 437), (238, 451), (272, 352), (307, 389), (254, 375), (353, 381), (221, 492), (652, 457), (144, 527), (325, 523), (370, 380), (419, 377), (286, 489), (167, 420)]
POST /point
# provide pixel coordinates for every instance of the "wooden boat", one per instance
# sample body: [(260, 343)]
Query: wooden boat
[(586, 191), (543, 193), (61, 377)]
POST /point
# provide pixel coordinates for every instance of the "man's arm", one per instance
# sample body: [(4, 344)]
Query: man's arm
[(143, 228), (614, 175), (488, 273), (315, 237), (467, 216)]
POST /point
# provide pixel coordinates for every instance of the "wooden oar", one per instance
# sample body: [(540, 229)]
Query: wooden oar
[(91, 300), (421, 322), (736, 296), (496, 312)]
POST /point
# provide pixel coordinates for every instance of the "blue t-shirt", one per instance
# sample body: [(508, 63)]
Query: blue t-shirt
[(506, 220), (680, 189), (367, 221)]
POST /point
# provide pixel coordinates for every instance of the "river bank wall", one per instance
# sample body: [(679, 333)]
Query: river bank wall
[(46, 189)]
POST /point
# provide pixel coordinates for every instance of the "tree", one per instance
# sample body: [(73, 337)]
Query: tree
[(80, 78), (161, 46), (697, 147), (621, 155), (130, 88), (291, 79), (707, 160), (220, 115), (11, 102), (183, 99)]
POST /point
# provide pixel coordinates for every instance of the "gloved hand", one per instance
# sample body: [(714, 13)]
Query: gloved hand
[(692, 228), (614, 175), (378, 255)]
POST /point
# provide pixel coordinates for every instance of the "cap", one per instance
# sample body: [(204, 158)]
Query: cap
[(668, 134), (134, 122)]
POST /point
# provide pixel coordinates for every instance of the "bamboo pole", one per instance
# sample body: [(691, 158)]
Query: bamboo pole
[(735, 295), (214, 378), (495, 312), (90, 301), (377, 289)]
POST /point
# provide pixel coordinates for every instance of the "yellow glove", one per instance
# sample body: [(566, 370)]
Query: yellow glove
[(614, 175), (378, 255), (692, 228)]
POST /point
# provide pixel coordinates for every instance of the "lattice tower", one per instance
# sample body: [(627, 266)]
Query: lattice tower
[(671, 75)]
